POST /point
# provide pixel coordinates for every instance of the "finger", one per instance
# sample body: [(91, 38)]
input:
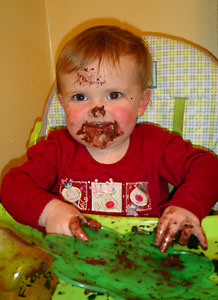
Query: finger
[(199, 233), (88, 222), (167, 240), (185, 234), (74, 226), (169, 236), (95, 226), (162, 228), (163, 224)]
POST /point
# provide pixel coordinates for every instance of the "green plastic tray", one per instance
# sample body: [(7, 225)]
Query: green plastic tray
[(140, 273)]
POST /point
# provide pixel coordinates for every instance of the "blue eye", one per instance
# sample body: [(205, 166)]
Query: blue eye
[(114, 95), (79, 97)]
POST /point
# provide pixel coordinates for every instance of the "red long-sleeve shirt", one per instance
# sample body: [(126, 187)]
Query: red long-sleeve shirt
[(60, 167)]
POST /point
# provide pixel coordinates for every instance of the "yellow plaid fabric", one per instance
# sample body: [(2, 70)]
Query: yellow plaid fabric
[(185, 71)]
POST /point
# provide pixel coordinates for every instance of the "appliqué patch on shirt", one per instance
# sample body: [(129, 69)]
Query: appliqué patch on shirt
[(106, 196), (137, 198), (75, 192)]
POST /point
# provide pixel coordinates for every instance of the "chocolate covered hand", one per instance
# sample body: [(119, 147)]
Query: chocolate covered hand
[(173, 220), (63, 218)]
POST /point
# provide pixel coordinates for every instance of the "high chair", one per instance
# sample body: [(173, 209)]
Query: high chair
[(184, 99)]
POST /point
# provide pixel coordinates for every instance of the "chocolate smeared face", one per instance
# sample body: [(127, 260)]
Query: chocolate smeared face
[(102, 103), (100, 134)]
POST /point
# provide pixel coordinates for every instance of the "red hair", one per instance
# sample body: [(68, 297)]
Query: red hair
[(105, 43)]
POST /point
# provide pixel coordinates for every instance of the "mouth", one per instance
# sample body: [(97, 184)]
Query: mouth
[(99, 127), (99, 134)]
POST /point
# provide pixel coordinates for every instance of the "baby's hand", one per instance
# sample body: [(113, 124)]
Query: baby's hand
[(63, 218), (172, 221)]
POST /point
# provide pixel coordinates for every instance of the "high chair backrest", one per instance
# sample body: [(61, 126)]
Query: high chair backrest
[(185, 81)]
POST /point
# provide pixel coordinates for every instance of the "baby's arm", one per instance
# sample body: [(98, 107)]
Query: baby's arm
[(63, 218), (172, 221)]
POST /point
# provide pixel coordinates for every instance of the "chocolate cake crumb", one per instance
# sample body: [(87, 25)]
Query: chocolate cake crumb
[(173, 261), (92, 261)]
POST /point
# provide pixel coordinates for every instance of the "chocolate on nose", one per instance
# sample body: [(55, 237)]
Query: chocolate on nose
[(96, 111)]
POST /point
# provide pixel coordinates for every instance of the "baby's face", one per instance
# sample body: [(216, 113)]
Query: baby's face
[(102, 105)]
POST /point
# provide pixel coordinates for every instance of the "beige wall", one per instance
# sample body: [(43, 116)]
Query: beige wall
[(25, 73), (33, 30), (195, 20)]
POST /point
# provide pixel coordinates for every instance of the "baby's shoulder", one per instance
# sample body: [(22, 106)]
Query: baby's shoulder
[(150, 130), (59, 134), (56, 139)]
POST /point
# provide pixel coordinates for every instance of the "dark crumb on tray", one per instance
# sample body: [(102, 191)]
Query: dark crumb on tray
[(185, 282), (88, 291), (163, 273), (134, 299), (61, 293), (215, 262), (142, 228), (94, 294), (123, 260), (134, 228), (92, 261), (173, 261)]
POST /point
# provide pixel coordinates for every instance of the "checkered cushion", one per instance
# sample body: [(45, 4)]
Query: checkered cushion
[(187, 72)]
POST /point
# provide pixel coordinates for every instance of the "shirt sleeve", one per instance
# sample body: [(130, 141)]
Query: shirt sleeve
[(26, 190), (193, 171)]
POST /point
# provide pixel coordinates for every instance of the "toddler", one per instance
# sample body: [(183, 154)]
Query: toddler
[(103, 162)]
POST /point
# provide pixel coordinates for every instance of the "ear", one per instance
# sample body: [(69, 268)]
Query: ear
[(61, 100), (143, 103)]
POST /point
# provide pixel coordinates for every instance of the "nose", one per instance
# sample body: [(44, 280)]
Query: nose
[(97, 111)]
